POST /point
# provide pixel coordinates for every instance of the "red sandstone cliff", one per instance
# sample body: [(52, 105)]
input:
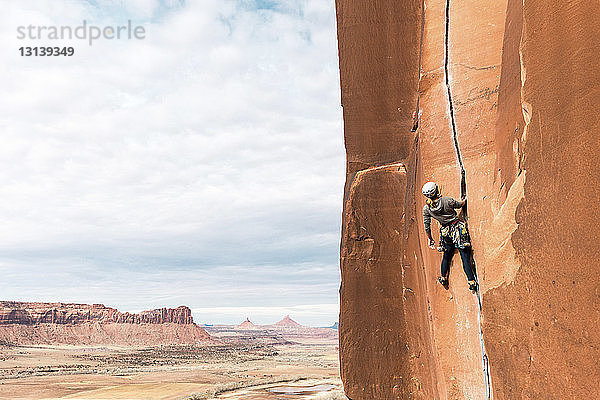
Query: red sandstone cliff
[(523, 89), (68, 323), (28, 313)]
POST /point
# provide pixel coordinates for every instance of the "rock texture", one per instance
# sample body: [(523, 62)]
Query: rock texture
[(522, 76), (67, 323)]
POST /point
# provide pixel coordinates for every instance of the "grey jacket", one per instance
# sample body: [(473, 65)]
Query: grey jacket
[(443, 212)]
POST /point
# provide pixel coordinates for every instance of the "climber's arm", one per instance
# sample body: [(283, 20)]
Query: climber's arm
[(431, 241), (458, 203), (427, 223)]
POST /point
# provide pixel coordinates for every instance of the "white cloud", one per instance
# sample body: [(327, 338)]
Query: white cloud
[(215, 141)]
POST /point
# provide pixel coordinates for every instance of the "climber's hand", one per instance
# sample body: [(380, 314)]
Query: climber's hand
[(432, 244)]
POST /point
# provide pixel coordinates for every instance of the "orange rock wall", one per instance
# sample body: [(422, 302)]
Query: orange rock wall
[(381, 310), (540, 322), (522, 77)]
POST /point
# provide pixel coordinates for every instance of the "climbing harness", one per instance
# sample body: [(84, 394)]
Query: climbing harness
[(455, 235)]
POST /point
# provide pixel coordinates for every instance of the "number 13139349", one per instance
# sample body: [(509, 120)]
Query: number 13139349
[(46, 51)]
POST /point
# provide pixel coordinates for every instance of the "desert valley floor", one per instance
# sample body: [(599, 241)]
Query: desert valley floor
[(251, 364)]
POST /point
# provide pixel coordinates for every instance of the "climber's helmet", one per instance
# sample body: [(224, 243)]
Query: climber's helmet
[(430, 189)]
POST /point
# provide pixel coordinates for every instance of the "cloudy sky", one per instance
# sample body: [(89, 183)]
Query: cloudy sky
[(202, 165)]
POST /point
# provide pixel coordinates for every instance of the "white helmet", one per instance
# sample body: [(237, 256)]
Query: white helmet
[(430, 189)]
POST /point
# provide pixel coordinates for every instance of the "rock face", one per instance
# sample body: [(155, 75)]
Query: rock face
[(518, 80), (67, 323)]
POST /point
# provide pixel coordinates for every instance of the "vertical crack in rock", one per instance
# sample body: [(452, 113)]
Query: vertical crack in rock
[(450, 104), (463, 190), (416, 113)]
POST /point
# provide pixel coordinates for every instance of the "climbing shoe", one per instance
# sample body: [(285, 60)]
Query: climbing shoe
[(473, 285), (443, 281)]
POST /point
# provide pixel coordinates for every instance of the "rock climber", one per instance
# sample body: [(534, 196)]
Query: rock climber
[(453, 232)]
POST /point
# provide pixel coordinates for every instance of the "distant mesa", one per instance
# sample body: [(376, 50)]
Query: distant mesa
[(32, 313), (336, 325), (246, 325), (286, 331), (30, 323), (295, 332), (287, 322)]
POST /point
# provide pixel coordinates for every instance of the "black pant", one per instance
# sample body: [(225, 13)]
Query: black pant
[(465, 255)]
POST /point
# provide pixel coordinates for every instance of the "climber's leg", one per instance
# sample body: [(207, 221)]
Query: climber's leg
[(446, 261), (465, 255)]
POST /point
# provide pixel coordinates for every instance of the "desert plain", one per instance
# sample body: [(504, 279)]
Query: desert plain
[(281, 361)]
